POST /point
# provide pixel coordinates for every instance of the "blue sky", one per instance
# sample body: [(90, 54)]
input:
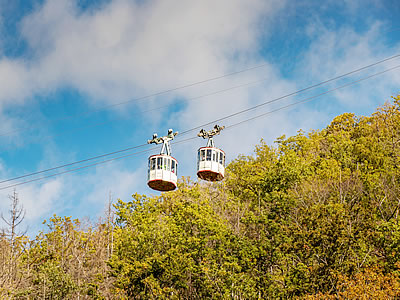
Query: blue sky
[(63, 61)]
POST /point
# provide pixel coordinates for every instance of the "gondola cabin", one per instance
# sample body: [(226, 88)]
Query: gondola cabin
[(162, 172), (163, 168), (211, 164), (210, 159)]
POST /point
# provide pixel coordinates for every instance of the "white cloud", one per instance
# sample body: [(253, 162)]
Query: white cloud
[(333, 53), (37, 200), (124, 49), (76, 195), (117, 179)]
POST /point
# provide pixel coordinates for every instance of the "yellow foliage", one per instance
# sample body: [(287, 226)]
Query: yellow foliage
[(371, 283)]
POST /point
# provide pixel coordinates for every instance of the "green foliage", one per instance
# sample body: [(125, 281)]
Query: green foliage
[(287, 221), (175, 246), (66, 262), (53, 282), (314, 216)]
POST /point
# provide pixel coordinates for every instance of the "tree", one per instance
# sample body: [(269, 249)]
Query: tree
[(314, 216), (10, 278)]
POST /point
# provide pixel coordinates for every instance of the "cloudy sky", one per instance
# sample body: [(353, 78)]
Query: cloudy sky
[(81, 78)]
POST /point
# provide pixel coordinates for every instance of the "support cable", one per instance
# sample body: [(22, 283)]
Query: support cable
[(285, 96), (212, 94), (145, 97), (185, 132), (313, 97), (87, 166)]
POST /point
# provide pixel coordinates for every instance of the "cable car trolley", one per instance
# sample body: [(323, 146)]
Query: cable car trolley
[(210, 159), (162, 175)]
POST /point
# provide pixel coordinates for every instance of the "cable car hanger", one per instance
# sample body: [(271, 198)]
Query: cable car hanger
[(210, 134), (165, 140)]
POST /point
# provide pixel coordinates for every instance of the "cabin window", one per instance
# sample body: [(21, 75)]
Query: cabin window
[(221, 158), (208, 154), (153, 164), (159, 163), (164, 163), (173, 166), (213, 155), (203, 155), (168, 165)]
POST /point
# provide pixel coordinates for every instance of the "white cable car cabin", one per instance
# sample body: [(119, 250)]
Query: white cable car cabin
[(210, 159), (163, 168), (162, 172)]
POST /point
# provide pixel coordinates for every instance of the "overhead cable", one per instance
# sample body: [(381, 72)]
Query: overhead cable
[(209, 123), (313, 97), (222, 91), (86, 166), (136, 112), (288, 95), (74, 163), (144, 97), (188, 139)]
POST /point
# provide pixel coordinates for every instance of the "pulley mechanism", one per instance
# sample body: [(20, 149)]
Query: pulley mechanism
[(166, 147), (210, 134)]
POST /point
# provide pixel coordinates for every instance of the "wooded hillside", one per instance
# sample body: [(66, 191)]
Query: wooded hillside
[(313, 216)]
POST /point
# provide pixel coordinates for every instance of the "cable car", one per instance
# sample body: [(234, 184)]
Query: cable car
[(210, 159), (163, 168)]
